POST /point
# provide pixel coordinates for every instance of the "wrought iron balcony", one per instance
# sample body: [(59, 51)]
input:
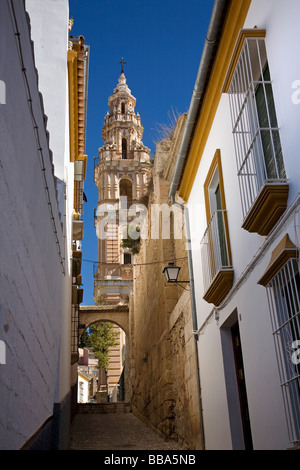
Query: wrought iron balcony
[(216, 259), (78, 200)]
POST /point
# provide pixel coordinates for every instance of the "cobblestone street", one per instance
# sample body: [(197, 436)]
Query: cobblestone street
[(115, 431)]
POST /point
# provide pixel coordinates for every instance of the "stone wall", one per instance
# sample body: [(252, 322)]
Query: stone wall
[(163, 368)]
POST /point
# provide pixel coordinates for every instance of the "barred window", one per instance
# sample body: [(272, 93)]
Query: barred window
[(215, 244), (284, 301), (74, 330), (255, 129), (127, 258)]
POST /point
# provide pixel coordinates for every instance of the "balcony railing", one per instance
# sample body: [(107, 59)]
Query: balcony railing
[(78, 201), (261, 172), (216, 263), (107, 270), (74, 330)]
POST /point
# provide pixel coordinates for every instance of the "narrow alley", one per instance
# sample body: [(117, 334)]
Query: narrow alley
[(150, 228), (112, 428)]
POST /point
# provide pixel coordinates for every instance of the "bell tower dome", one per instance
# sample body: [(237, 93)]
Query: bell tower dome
[(122, 131), (121, 175)]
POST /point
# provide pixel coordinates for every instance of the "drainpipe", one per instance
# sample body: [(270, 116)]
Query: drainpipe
[(194, 315), (220, 9)]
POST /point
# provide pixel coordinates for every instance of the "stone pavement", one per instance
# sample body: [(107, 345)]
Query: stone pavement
[(115, 431)]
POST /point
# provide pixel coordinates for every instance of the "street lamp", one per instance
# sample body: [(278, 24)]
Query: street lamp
[(171, 273)]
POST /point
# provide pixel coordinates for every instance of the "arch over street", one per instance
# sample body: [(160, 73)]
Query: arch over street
[(118, 314)]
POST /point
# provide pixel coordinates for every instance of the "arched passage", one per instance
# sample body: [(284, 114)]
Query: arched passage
[(115, 380), (118, 314)]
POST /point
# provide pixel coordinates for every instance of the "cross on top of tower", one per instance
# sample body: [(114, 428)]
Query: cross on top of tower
[(122, 63)]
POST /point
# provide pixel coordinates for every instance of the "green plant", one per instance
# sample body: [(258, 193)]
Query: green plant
[(102, 337), (132, 243), (100, 300), (84, 341)]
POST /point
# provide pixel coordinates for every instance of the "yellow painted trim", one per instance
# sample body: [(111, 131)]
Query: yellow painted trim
[(220, 287), (244, 33), (267, 208), (233, 24), (216, 162), (280, 255), (73, 104)]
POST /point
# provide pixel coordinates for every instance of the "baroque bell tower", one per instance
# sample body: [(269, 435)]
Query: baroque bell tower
[(121, 175)]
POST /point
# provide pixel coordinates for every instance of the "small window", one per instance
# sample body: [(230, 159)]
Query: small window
[(124, 149), (123, 108), (215, 246), (217, 218), (127, 258), (125, 191)]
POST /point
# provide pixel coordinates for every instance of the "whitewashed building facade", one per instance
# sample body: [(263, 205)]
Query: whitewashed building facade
[(37, 226), (238, 174)]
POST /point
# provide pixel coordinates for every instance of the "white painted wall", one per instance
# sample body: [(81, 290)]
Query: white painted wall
[(265, 402), (49, 32), (31, 276), (83, 390)]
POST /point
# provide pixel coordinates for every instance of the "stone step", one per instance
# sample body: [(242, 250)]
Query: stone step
[(103, 408)]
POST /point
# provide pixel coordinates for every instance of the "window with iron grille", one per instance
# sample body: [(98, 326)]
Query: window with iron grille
[(284, 301), (78, 199), (215, 245), (255, 129), (127, 258), (74, 330)]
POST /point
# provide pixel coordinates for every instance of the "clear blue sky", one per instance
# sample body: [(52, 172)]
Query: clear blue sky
[(162, 43)]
